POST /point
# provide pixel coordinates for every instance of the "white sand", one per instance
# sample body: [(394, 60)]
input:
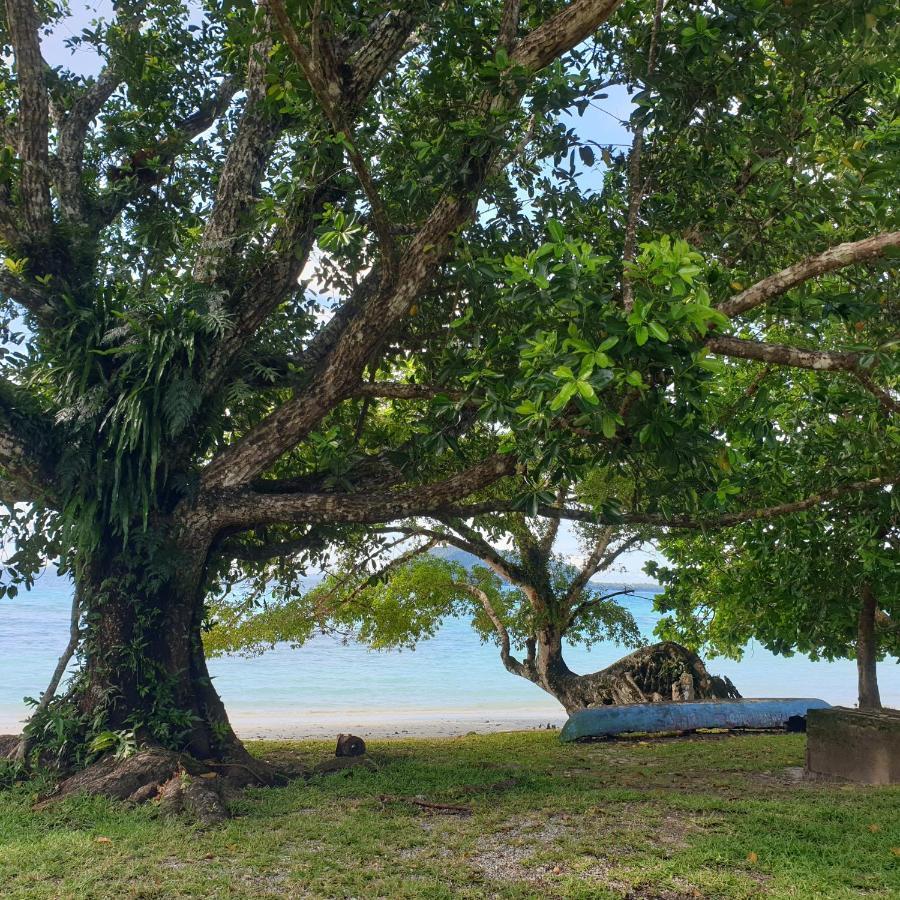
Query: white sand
[(295, 725), (372, 724)]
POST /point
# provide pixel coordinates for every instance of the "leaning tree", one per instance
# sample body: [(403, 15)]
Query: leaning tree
[(512, 582), (279, 270)]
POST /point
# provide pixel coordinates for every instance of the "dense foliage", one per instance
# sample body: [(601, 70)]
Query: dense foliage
[(824, 581), (281, 272)]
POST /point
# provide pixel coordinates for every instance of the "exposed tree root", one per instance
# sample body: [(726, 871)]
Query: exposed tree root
[(179, 784), (665, 671), (9, 745)]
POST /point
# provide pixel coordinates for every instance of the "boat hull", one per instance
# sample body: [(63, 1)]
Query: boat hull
[(601, 721)]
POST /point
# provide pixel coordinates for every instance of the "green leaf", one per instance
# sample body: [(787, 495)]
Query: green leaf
[(564, 396), (587, 392), (556, 231), (658, 331)]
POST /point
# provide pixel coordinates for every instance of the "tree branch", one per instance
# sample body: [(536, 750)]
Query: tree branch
[(590, 565), (636, 186), (72, 132), (389, 390), (386, 41), (243, 168), (834, 258), (560, 33), (509, 25), (34, 119), (688, 522), (245, 508), (26, 452), (340, 370), (26, 294), (884, 397), (582, 608), (480, 548), (509, 661), (292, 242), (72, 127), (166, 151), (321, 71), (782, 355)]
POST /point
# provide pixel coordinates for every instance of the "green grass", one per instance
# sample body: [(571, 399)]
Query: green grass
[(717, 816)]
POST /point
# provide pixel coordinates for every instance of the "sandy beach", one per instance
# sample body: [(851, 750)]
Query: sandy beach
[(405, 724), (295, 725)]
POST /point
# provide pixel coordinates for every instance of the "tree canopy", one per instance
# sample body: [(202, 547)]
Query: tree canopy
[(284, 270)]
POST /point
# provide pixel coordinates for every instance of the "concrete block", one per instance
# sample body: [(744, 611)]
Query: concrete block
[(854, 744)]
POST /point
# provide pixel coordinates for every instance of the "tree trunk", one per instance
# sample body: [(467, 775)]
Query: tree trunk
[(657, 673), (143, 671), (867, 651), (143, 668)]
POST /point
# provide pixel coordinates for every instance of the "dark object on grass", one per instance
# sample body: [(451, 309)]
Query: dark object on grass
[(685, 716), (861, 745), (350, 745)]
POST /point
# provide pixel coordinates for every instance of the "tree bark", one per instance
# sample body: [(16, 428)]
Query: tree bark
[(867, 651), (144, 668)]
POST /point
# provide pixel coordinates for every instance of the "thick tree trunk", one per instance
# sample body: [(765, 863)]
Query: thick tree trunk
[(144, 666), (867, 651), (657, 673), (144, 671)]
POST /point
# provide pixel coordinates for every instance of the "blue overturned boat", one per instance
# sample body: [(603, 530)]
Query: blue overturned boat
[(603, 721)]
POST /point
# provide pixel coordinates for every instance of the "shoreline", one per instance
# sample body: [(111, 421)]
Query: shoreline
[(299, 725)]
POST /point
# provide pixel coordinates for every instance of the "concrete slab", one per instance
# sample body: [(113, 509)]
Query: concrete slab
[(854, 744)]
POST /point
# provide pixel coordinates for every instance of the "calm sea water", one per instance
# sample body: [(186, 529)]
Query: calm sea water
[(452, 673)]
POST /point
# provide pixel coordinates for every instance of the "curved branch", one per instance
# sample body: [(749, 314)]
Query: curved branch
[(688, 522), (582, 608), (509, 661), (245, 507), (834, 258), (477, 547), (590, 565)]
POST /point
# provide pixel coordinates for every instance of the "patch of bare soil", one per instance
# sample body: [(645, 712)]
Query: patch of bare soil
[(505, 856)]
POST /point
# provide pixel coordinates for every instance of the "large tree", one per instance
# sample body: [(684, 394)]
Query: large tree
[(180, 400)]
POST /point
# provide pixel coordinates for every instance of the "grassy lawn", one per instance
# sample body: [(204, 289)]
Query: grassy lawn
[(716, 816)]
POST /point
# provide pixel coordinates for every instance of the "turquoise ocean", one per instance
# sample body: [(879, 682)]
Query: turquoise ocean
[(450, 675)]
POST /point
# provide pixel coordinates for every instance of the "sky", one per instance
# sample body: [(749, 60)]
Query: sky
[(603, 121)]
